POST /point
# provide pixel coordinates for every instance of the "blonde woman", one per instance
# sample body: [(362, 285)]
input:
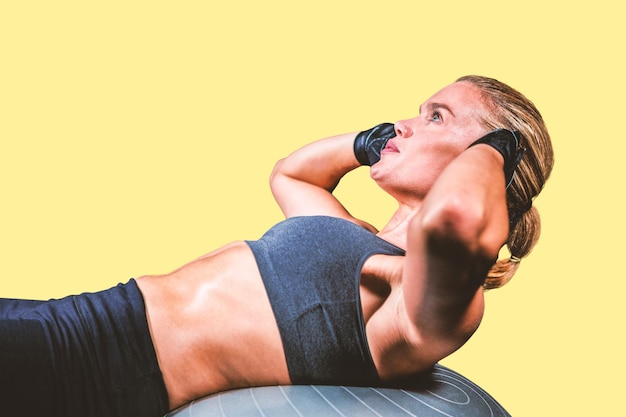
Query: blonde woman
[(321, 298)]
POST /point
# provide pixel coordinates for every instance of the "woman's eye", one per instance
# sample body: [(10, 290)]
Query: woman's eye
[(436, 117)]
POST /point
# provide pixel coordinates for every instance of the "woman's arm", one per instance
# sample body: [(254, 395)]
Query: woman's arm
[(303, 182), (452, 243)]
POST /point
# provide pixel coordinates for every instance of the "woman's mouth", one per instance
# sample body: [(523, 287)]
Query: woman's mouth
[(390, 147)]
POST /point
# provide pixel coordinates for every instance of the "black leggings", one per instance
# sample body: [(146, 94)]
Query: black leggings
[(86, 355)]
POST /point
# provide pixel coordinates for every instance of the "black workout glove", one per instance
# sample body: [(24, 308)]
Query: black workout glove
[(507, 143), (369, 143)]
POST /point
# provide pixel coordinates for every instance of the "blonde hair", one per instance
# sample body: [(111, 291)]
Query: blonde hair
[(508, 108)]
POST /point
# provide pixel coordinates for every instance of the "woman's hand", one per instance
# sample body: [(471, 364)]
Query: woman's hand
[(369, 143)]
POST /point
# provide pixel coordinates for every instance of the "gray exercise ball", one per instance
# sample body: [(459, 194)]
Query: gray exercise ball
[(441, 392)]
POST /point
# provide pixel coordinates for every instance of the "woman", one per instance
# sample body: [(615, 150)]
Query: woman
[(323, 297)]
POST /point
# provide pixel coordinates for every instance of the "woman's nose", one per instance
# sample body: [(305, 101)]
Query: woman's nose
[(403, 129)]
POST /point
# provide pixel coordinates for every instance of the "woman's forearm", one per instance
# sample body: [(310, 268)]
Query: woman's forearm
[(321, 163), (303, 182)]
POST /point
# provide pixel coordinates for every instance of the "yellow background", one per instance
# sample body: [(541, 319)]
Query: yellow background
[(137, 135)]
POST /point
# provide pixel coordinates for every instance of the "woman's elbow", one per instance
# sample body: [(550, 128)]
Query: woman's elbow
[(277, 171), (453, 223)]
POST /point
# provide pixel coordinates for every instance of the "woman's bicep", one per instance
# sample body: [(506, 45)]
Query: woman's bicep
[(300, 198)]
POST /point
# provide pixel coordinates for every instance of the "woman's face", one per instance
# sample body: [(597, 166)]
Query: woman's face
[(447, 124)]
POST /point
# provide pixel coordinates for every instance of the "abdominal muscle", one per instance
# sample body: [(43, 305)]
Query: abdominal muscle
[(213, 327)]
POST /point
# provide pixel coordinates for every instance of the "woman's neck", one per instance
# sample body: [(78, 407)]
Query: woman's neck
[(396, 229)]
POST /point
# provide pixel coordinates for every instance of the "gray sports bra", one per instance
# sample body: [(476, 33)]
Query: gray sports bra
[(311, 269)]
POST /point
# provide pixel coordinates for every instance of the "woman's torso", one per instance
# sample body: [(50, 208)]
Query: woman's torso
[(201, 348), (214, 329)]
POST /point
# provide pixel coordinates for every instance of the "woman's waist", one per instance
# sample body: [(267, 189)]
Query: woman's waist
[(209, 276), (210, 321), (219, 289)]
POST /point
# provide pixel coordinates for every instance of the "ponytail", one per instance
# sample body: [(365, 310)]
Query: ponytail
[(509, 109), (523, 236)]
